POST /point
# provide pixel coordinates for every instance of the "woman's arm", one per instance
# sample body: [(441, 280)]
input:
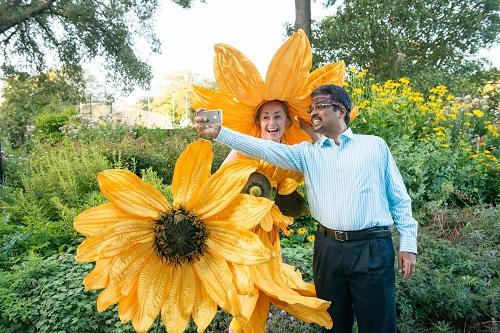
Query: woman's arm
[(233, 155)]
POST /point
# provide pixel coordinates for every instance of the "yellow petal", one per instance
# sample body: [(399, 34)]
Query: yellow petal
[(237, 76), (235, 244), (221, 188), (92, 221), (257, 322), (204, 309), (242, 278), (125, 270), (128, 305), (328, 74), (287, 186), (235, 115), (293, 278), (308, 314), (188, 291), (216, 277), (294, 134), (129, 193), (114, 240), (245, 211), (191, 170), (99, 277), (107, 297), (267, 223), (276, 288), (152, 290), (280, 220), (289, 69), (177, 309)]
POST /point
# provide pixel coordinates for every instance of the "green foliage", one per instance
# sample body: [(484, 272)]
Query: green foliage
[(299, 256), (25, 96), (48, 124), (456, 284), (56, 183), (46, 295), (73, 32), (430, 41), (158, 149)]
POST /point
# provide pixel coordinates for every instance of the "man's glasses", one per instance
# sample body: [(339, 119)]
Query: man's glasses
[(323, 106)]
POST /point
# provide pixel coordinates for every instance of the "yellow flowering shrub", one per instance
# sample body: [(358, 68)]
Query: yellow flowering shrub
[(444, 145)]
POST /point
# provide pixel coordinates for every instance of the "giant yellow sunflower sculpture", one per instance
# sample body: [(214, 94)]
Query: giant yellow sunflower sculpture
[(281, 285), (177, 259), (242, 89)]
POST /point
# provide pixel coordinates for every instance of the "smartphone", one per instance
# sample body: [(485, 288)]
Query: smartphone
[(214, 116)]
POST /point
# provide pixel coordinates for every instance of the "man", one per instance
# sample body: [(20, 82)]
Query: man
[(355, 191)]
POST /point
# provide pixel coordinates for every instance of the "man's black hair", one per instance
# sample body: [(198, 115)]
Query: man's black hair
[(338, 94)]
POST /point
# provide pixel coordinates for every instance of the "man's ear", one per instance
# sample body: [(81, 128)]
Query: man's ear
[(342, 112)]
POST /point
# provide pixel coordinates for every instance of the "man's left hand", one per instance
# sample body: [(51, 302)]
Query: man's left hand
[(406, 264)]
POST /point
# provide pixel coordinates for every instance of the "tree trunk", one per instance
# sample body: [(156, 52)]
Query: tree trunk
[(303, 16)]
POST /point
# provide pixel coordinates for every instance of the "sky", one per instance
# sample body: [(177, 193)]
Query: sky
[(256, 28)]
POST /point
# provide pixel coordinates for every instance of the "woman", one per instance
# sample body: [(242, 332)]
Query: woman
[(273, 118)]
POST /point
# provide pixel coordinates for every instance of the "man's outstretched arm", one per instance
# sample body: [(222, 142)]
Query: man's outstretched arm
[(284, 156)]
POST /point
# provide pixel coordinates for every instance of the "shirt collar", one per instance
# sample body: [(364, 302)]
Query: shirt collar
[(345, 136)]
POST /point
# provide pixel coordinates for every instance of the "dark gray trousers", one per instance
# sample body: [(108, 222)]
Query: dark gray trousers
[(358, 278)]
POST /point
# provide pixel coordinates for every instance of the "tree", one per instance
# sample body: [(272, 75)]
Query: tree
[(25, 96), (434, 40), (303, 16), (75, 30)]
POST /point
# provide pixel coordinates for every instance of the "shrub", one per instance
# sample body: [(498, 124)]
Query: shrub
[(46, 295), (445, 147), (48, 125)]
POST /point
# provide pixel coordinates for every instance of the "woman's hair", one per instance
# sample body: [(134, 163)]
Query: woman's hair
[(259, 110)]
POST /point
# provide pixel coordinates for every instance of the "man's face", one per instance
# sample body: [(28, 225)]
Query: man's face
[(327, 116)]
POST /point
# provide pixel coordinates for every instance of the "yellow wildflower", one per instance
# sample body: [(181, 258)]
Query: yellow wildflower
[(404, 80), (311, 238), (478, 113), (301, 231)]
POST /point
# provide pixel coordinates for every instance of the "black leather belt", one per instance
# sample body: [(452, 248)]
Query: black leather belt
[(342, 236)]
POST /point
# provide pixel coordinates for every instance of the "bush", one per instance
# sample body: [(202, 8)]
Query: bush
[(445, 146), (451, 286), (46, 295), (56, 183), (158, 149), (48, 125)]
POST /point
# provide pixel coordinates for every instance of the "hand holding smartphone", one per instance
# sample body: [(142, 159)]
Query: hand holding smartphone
[(214, 116)]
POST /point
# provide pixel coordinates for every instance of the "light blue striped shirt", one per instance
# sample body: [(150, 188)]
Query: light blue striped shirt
[(352, 186)]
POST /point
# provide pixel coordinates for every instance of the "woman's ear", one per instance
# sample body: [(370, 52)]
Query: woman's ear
[(288, 121)]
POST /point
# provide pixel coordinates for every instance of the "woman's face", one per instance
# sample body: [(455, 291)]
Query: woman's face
[(273, 121)]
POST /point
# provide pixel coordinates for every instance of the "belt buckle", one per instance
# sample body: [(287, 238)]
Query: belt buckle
[(340, 236)]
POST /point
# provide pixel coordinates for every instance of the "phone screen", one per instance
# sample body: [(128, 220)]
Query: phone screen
[(214, 116)]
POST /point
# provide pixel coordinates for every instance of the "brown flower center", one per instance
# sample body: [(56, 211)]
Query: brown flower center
[(259, 186), (180, 237)]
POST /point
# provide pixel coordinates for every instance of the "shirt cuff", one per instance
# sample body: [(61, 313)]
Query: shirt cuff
[(408, 245), (223, 136)]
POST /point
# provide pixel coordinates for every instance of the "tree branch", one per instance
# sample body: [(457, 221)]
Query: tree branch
[(9, 21)]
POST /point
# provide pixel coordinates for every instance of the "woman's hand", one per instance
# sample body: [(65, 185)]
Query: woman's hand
[(307, 127), (200, 124)]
